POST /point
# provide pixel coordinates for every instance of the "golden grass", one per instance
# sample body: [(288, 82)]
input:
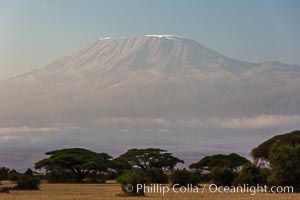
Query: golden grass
[(111, 190)]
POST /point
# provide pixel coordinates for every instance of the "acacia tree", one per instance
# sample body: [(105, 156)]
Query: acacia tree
[(77, 160), (262, 151), (230, 161), (221, 167), (148, 158)]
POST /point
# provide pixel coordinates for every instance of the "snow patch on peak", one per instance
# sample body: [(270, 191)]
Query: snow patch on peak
[(164, 36), (159, 36), (105, 38)]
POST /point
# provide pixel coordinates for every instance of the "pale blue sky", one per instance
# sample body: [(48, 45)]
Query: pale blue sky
[(36, 32)]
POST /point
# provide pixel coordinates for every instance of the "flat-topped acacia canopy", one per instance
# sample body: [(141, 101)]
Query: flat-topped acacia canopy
[(77, 160)]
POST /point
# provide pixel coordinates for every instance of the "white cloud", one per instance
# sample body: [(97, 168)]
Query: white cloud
[(259, 122), (26, 129), (131, 121), (242, 123)]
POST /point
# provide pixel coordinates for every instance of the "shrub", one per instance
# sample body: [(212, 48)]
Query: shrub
[(184, 178), (26, 182), (251, 175), (205, 178), (13, 175), (222, 176), (285, 165), (131, 179), (266, 172), (4, 173), (155, 175)]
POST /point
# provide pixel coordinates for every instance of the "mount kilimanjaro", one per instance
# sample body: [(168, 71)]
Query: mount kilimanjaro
[(135, 87)]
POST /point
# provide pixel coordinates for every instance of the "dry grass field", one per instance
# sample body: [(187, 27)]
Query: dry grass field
[(111, 190)]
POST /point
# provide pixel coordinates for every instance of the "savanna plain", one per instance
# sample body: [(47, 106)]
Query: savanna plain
[(112, 190)]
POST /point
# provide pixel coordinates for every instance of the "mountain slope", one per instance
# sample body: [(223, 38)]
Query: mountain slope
[(150, 76)]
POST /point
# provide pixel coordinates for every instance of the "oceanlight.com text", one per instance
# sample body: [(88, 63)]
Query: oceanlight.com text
[(212, 188)]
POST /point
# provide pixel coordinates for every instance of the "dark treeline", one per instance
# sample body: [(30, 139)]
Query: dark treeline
[(276, 163), (24, 181)]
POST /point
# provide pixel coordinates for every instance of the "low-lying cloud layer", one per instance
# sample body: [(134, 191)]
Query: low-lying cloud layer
[(194, 136), (26, 129), (258, 122), (243, 123)]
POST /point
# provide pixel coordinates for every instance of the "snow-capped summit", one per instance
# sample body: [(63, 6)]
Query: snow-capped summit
[(161, 53)]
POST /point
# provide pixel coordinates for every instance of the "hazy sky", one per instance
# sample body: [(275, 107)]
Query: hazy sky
[(34, 33)]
